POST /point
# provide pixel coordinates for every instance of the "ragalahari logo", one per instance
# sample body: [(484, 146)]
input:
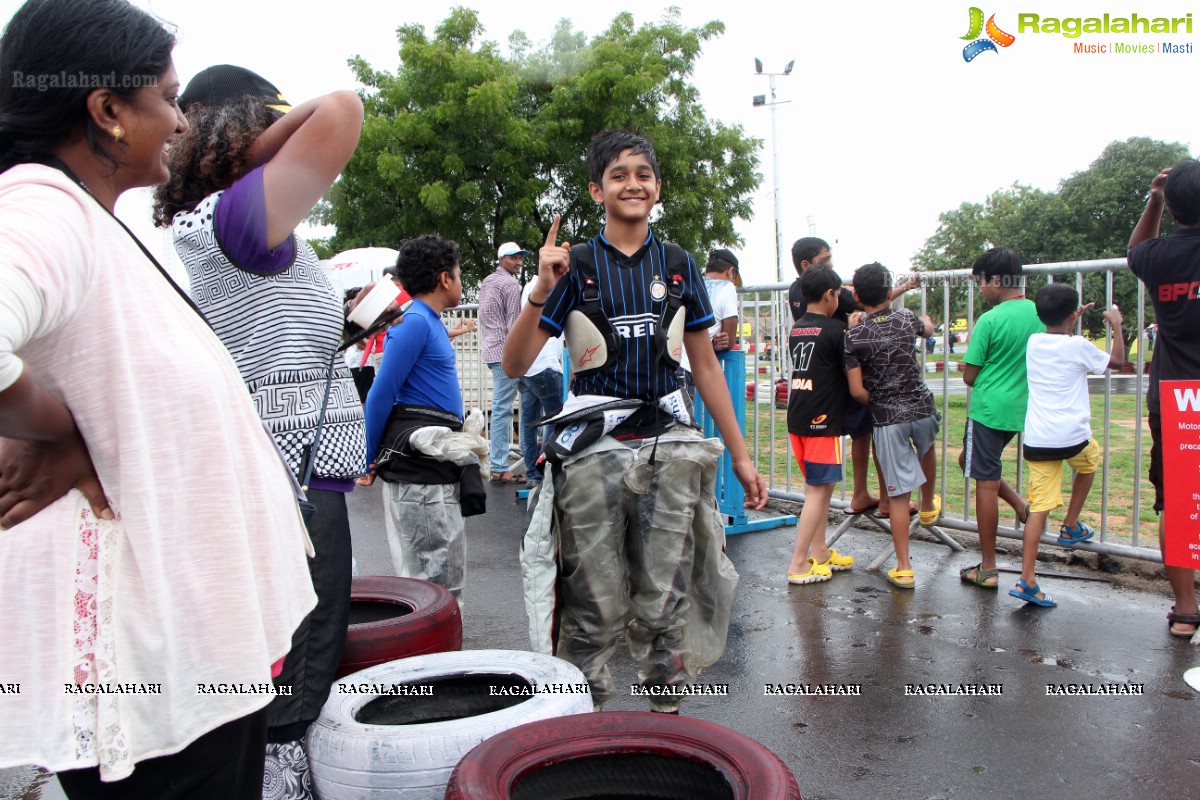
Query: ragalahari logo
[(995, 36)]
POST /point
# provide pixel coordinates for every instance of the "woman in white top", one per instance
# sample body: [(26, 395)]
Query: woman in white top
[(137, 634)]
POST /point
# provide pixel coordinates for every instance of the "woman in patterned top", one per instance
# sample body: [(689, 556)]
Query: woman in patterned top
[(247, 173)]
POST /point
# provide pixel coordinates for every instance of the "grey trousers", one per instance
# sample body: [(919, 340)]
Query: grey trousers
[(630, 562), (425, 533)]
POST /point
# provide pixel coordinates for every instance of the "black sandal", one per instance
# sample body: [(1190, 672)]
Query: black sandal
[(1183, 619)]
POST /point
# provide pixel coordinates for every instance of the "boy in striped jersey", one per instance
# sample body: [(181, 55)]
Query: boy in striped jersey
[(639, 538)]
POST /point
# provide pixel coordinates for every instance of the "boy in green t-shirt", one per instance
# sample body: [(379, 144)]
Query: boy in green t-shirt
[(995, 371)]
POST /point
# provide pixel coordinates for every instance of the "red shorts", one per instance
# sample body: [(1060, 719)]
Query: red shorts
[(819, 457)]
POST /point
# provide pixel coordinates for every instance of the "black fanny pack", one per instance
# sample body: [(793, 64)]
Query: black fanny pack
[(399, 462)]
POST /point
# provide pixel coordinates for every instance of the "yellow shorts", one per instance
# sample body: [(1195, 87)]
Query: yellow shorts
[(1045, 477)]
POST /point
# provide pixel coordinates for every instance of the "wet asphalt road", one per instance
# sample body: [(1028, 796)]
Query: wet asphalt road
[(858, 631)]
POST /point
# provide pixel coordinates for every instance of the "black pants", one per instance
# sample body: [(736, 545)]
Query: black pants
[(318, 643), (225, 763)]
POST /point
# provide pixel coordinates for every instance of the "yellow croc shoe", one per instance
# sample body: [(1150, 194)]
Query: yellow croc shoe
[(816, 573), (929, 518), (837, 562), (901, 578)]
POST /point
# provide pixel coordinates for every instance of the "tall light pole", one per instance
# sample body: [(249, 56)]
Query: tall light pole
[(761, 100)]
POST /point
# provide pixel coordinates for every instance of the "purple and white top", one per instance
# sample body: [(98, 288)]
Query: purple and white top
[(281, 319)]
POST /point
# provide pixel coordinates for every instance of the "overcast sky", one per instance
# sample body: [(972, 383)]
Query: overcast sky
[(887, 125)]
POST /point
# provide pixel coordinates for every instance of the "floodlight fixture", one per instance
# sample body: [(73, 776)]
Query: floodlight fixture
[(761, 100)]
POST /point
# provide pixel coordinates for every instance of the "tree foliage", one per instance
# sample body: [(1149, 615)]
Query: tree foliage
[(483, 148), (1089, 216)]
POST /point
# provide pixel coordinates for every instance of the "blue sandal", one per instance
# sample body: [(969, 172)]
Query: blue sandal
[(1069, 537), (1030, 594)]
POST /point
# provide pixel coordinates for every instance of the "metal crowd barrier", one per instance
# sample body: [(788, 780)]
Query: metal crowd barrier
[(767, 305)]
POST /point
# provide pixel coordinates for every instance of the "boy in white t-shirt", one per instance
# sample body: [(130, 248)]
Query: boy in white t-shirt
[(1058, 424), (721, 280)]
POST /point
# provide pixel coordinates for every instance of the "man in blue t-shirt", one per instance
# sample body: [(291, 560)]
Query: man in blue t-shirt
[(417, 386), (640, 544)]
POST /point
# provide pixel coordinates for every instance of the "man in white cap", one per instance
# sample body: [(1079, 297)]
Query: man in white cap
[(499, 305)]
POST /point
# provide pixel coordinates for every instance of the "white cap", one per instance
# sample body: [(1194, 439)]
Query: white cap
[(510, 249)]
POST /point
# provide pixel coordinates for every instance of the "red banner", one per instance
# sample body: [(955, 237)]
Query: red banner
[(1180, 409)]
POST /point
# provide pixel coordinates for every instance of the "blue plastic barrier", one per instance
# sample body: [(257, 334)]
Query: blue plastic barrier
[(731, 497)]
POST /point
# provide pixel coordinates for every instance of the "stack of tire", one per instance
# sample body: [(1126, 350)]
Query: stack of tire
[(396, 731), (624, 754)]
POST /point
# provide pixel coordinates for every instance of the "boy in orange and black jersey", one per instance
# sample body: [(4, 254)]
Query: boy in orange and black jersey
[(817, 398)]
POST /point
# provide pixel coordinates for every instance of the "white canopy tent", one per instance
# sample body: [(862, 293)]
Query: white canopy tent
[(358, 267)]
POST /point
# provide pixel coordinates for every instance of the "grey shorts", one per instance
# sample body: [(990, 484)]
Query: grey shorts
[(900, 448)]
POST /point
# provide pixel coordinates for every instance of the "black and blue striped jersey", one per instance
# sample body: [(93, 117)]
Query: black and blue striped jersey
[(633, 294)]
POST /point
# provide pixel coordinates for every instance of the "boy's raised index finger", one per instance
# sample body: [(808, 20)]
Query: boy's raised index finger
[(552, 234)]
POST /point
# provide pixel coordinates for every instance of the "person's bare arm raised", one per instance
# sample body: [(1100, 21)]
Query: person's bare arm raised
[(304, 152), (1151, 219), (526, 338)]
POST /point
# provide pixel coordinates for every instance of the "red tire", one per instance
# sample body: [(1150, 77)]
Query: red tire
[(393, 618), (611, 753)]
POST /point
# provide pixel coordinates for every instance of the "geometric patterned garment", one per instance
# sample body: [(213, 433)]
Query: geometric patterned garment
[(884, 346), (281, 330)]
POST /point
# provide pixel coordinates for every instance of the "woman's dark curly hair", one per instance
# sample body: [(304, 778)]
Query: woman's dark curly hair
[(211, 155), (422, 261)]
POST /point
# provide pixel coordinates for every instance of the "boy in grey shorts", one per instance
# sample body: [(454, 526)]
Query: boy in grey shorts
[(882, 369)]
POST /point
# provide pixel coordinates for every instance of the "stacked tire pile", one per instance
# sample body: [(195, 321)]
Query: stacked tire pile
[(415, 718)]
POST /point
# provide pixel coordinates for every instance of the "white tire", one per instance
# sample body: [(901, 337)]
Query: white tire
[(474, 695)]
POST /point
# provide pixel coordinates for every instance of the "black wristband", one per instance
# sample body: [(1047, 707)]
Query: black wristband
[(536, 304)]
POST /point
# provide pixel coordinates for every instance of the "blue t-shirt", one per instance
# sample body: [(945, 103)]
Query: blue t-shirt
[(417, 369), (633, 296)]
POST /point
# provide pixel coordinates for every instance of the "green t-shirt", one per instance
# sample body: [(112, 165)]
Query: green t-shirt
[(997, 347)]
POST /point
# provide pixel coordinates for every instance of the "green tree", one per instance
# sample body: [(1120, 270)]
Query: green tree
[(1106, 201), (1107, 198), (322, 248), (484, 149), (1032, 221)]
